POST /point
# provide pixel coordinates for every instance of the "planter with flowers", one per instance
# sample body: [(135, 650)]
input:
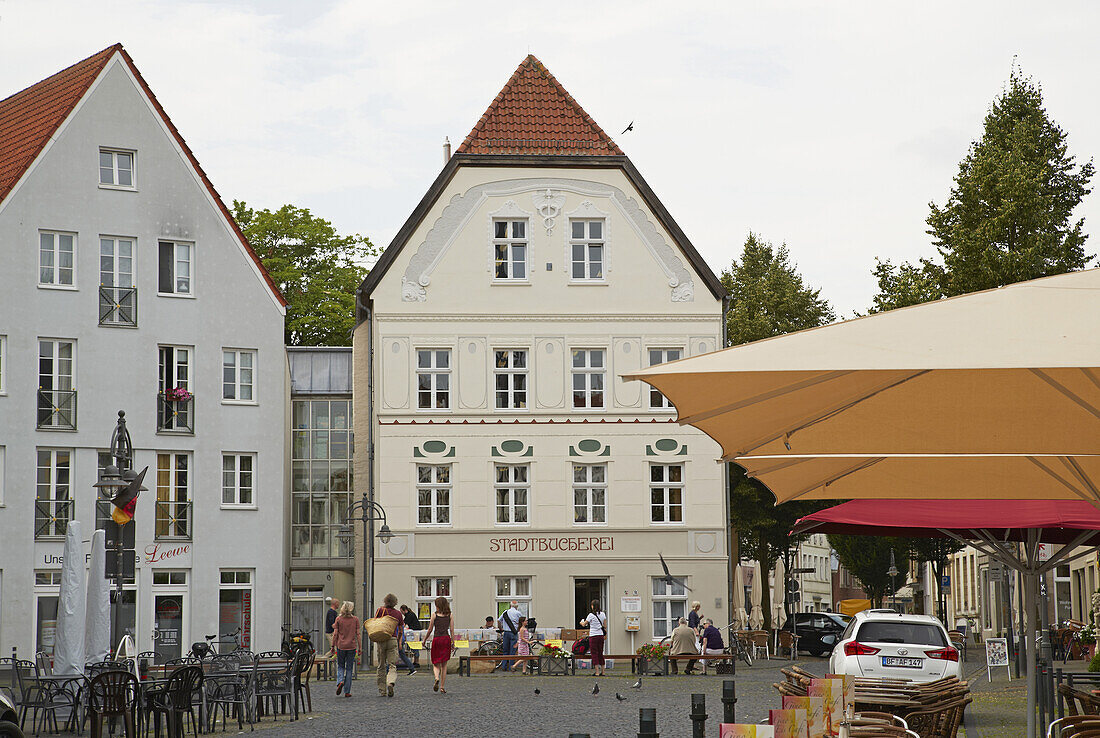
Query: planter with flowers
[(554, 661), (1086, 640), (653, 659), (177, 394)]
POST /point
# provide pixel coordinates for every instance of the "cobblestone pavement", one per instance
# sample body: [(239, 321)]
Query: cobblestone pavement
[(506, 705)]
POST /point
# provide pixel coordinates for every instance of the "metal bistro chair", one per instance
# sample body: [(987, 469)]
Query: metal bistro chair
[(277, 687), (113, 694), (175, 701), (229, 684), (33, 696), (303, 695)]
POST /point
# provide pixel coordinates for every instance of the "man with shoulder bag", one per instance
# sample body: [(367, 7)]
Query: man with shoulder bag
[(509, 622), (387, 629)]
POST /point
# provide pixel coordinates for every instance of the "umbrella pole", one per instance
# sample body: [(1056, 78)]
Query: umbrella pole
[(1030, 598)]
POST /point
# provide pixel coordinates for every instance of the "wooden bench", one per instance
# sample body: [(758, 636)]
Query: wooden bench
[(704, 657)]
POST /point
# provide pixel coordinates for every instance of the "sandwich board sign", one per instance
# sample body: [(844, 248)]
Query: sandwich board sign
[(996, 654)]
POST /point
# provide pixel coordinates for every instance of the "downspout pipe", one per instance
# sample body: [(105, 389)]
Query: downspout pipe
[(733, 551)]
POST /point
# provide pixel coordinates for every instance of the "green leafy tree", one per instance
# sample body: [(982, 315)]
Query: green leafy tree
[(868, 559), (1009, 216), (316, 268), (768, 297)]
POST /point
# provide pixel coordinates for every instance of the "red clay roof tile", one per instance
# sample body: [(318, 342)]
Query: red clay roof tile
[(28, 119), (533, 114)]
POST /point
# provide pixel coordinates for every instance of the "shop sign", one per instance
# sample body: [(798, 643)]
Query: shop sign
[(537, 544), (154, 552)]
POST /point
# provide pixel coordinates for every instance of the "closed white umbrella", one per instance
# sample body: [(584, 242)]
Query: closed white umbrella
[(740, 617), (756, 615), (68, 653), (779, 581), (97, 624)]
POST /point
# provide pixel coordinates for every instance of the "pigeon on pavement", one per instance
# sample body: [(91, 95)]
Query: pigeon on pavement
[(538, 691), (637, 684), (595, 689), (619, 697)]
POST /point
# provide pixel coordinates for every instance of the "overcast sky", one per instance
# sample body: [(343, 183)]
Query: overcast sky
[(825, 125)]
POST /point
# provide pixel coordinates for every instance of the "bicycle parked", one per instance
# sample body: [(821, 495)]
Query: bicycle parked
[(210, 648), (295, 640)]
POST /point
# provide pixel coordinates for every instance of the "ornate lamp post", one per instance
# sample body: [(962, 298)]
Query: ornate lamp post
[(369, 512), (117, 477)]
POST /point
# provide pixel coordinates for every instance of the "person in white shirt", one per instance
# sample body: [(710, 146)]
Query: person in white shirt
[(596, 620), (509, 628)]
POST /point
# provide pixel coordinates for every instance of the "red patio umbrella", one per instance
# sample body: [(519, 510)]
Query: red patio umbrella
[(991, 526)]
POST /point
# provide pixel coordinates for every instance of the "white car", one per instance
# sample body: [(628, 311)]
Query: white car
[(883, 643)]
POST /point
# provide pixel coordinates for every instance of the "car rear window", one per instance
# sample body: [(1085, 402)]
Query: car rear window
[(920, 634)]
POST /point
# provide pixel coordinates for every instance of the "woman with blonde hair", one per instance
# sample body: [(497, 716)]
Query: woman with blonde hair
[(443, 627), (347, 640)]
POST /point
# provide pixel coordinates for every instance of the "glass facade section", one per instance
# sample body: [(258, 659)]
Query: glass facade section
[(321, 477)]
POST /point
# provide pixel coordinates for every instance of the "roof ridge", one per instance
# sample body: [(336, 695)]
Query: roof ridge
[(527, 117)]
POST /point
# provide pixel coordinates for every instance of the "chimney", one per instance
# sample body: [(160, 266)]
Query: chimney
[(446, 149)]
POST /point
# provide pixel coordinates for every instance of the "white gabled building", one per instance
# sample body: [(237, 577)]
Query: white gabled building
[(126, 285), (511, 459)]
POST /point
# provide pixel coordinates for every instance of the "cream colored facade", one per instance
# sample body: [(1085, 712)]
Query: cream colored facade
[(436, 299)]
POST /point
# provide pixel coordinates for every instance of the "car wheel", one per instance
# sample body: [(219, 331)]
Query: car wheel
[(10, 730), (816, 652)]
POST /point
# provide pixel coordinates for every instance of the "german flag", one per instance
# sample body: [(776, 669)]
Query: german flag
[(125, 501)]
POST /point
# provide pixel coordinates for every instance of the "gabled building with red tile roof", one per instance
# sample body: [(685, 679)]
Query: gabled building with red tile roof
[(127, 286), (512, 461)]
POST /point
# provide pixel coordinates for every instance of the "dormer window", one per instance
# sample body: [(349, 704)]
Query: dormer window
[(116, 168), (586, 247), (510, 250)]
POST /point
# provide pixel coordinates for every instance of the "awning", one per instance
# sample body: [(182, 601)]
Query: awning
[(1012, 370)]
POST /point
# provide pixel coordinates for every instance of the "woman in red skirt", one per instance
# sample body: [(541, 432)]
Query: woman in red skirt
[(442, 626)]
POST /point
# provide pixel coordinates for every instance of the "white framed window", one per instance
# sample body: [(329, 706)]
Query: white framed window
[(237, 375), (510, 250), (56, 259), (173, 504), (176, 262), (657, 401), (238, 480), (56, 384), (433, 379), (589, 370), (669, 605), (433, 494), (427, 589), (586, 250), (116, 168), (590, 494), (3, 366), (512, 491), (513, 588), (117, 293), (510, 379), (235, 606), (53, 505), (666, 491), (175, 401)]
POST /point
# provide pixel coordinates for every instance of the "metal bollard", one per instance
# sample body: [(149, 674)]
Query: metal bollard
[(698, 715), (729, 701), (579, 735), (647, 723)]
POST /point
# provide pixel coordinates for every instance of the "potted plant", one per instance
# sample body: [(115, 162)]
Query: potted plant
[(178, 394), (554, 661), (653, 659), (1086, 637)]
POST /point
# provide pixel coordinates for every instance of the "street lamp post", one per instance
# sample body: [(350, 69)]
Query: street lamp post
[(369, 512), (893, 572), (115, 478)]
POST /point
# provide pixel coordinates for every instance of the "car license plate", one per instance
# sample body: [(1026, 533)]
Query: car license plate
[(905, 663)]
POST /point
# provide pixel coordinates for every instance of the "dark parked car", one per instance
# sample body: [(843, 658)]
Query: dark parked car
[(817, 632), (9, 722)]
